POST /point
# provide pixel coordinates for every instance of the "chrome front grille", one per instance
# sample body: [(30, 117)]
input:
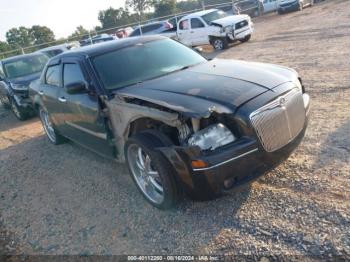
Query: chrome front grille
[(280, 121)]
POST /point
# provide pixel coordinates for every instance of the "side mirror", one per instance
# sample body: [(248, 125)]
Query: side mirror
[(198, 49), (76, 88)]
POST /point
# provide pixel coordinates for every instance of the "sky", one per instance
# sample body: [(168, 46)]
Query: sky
[(61, 16)]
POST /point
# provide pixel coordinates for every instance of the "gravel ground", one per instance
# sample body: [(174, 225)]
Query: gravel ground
[(66, 200)]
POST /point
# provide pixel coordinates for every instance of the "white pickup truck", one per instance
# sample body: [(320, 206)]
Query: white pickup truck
[(214, 27)]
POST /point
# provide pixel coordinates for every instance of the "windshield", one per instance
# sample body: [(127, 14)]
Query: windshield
[(24, 66), (143, 62), (212, 16)]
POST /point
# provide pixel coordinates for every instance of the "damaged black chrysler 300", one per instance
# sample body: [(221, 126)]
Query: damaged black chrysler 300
[(182, 123)]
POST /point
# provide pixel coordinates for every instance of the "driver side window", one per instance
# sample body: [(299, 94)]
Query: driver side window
[(184, 25), (72, 74)]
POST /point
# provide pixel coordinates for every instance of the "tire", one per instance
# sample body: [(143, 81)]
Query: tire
[(300, 7), (51, 133), (220, 43), (4, 100), (157, 182), (245, 39), (17, 110)]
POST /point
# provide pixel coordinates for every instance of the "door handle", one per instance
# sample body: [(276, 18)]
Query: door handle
[(41, 92), (62, 99)]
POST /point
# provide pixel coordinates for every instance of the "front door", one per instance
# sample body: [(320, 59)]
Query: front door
[(198, 32), (82, 120), (270, 5), (49, 91), (184, 34)]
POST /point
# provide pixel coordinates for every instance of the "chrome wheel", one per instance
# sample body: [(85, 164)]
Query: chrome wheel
[(218, 44), (146, 177), (48, 127)]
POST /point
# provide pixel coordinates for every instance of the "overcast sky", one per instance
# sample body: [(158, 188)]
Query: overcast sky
[(61, 16)]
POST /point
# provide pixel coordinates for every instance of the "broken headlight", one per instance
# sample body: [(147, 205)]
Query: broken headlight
[(212, 137), (227, 29)]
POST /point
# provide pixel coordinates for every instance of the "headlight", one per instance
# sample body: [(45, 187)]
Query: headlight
[(299, 85), (18, 87), (226, 29), (212, 137)]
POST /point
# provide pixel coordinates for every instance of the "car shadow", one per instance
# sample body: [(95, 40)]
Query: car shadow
[(9, 121), (336, 147), (67, 198)]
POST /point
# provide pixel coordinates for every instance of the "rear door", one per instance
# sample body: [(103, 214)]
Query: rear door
[(198, 32), (83, 122)]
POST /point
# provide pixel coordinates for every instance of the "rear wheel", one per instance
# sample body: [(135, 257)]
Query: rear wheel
[(245, 39), (49, 129), (220, 43), (17, 110), (152, 173)]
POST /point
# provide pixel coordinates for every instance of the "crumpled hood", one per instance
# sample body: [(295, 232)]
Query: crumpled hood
[(218, 85), (25, 80), (230, 20)]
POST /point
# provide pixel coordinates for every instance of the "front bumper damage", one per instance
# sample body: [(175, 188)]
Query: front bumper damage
[(243, 161)]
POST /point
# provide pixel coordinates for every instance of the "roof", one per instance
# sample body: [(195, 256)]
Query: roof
[(97, 49), (199, 13), (17, 57)]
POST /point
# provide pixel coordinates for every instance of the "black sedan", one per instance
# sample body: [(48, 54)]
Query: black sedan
[(16, 73), (182, 123)]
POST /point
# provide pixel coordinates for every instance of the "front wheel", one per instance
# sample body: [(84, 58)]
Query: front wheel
[(245, 39), (49, 129), (151, 171), (220, 43)]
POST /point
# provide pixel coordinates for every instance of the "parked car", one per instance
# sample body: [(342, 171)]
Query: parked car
[(293, 5), (124, 32), (270, 6), (58, 49), (181, 122), (16, 73), (97, 39), (153, 28), (214, 27)]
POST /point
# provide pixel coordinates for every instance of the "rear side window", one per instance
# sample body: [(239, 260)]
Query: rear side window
[(149, 28), (72, 74), (196, 23), (52, 76)]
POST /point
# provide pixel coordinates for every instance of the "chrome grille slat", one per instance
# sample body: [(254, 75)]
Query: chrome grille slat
[(277, 124)]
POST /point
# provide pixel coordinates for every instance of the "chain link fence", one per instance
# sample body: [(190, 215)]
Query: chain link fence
[(251, 7)]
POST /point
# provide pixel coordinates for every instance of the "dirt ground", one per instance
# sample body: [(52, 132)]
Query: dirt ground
[(66, 200)]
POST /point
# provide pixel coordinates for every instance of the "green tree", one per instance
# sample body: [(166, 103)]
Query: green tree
[(79, 34), (114, 17), (164, 7), (4, 48), (41, 35), (139, 6), (19, 37)]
